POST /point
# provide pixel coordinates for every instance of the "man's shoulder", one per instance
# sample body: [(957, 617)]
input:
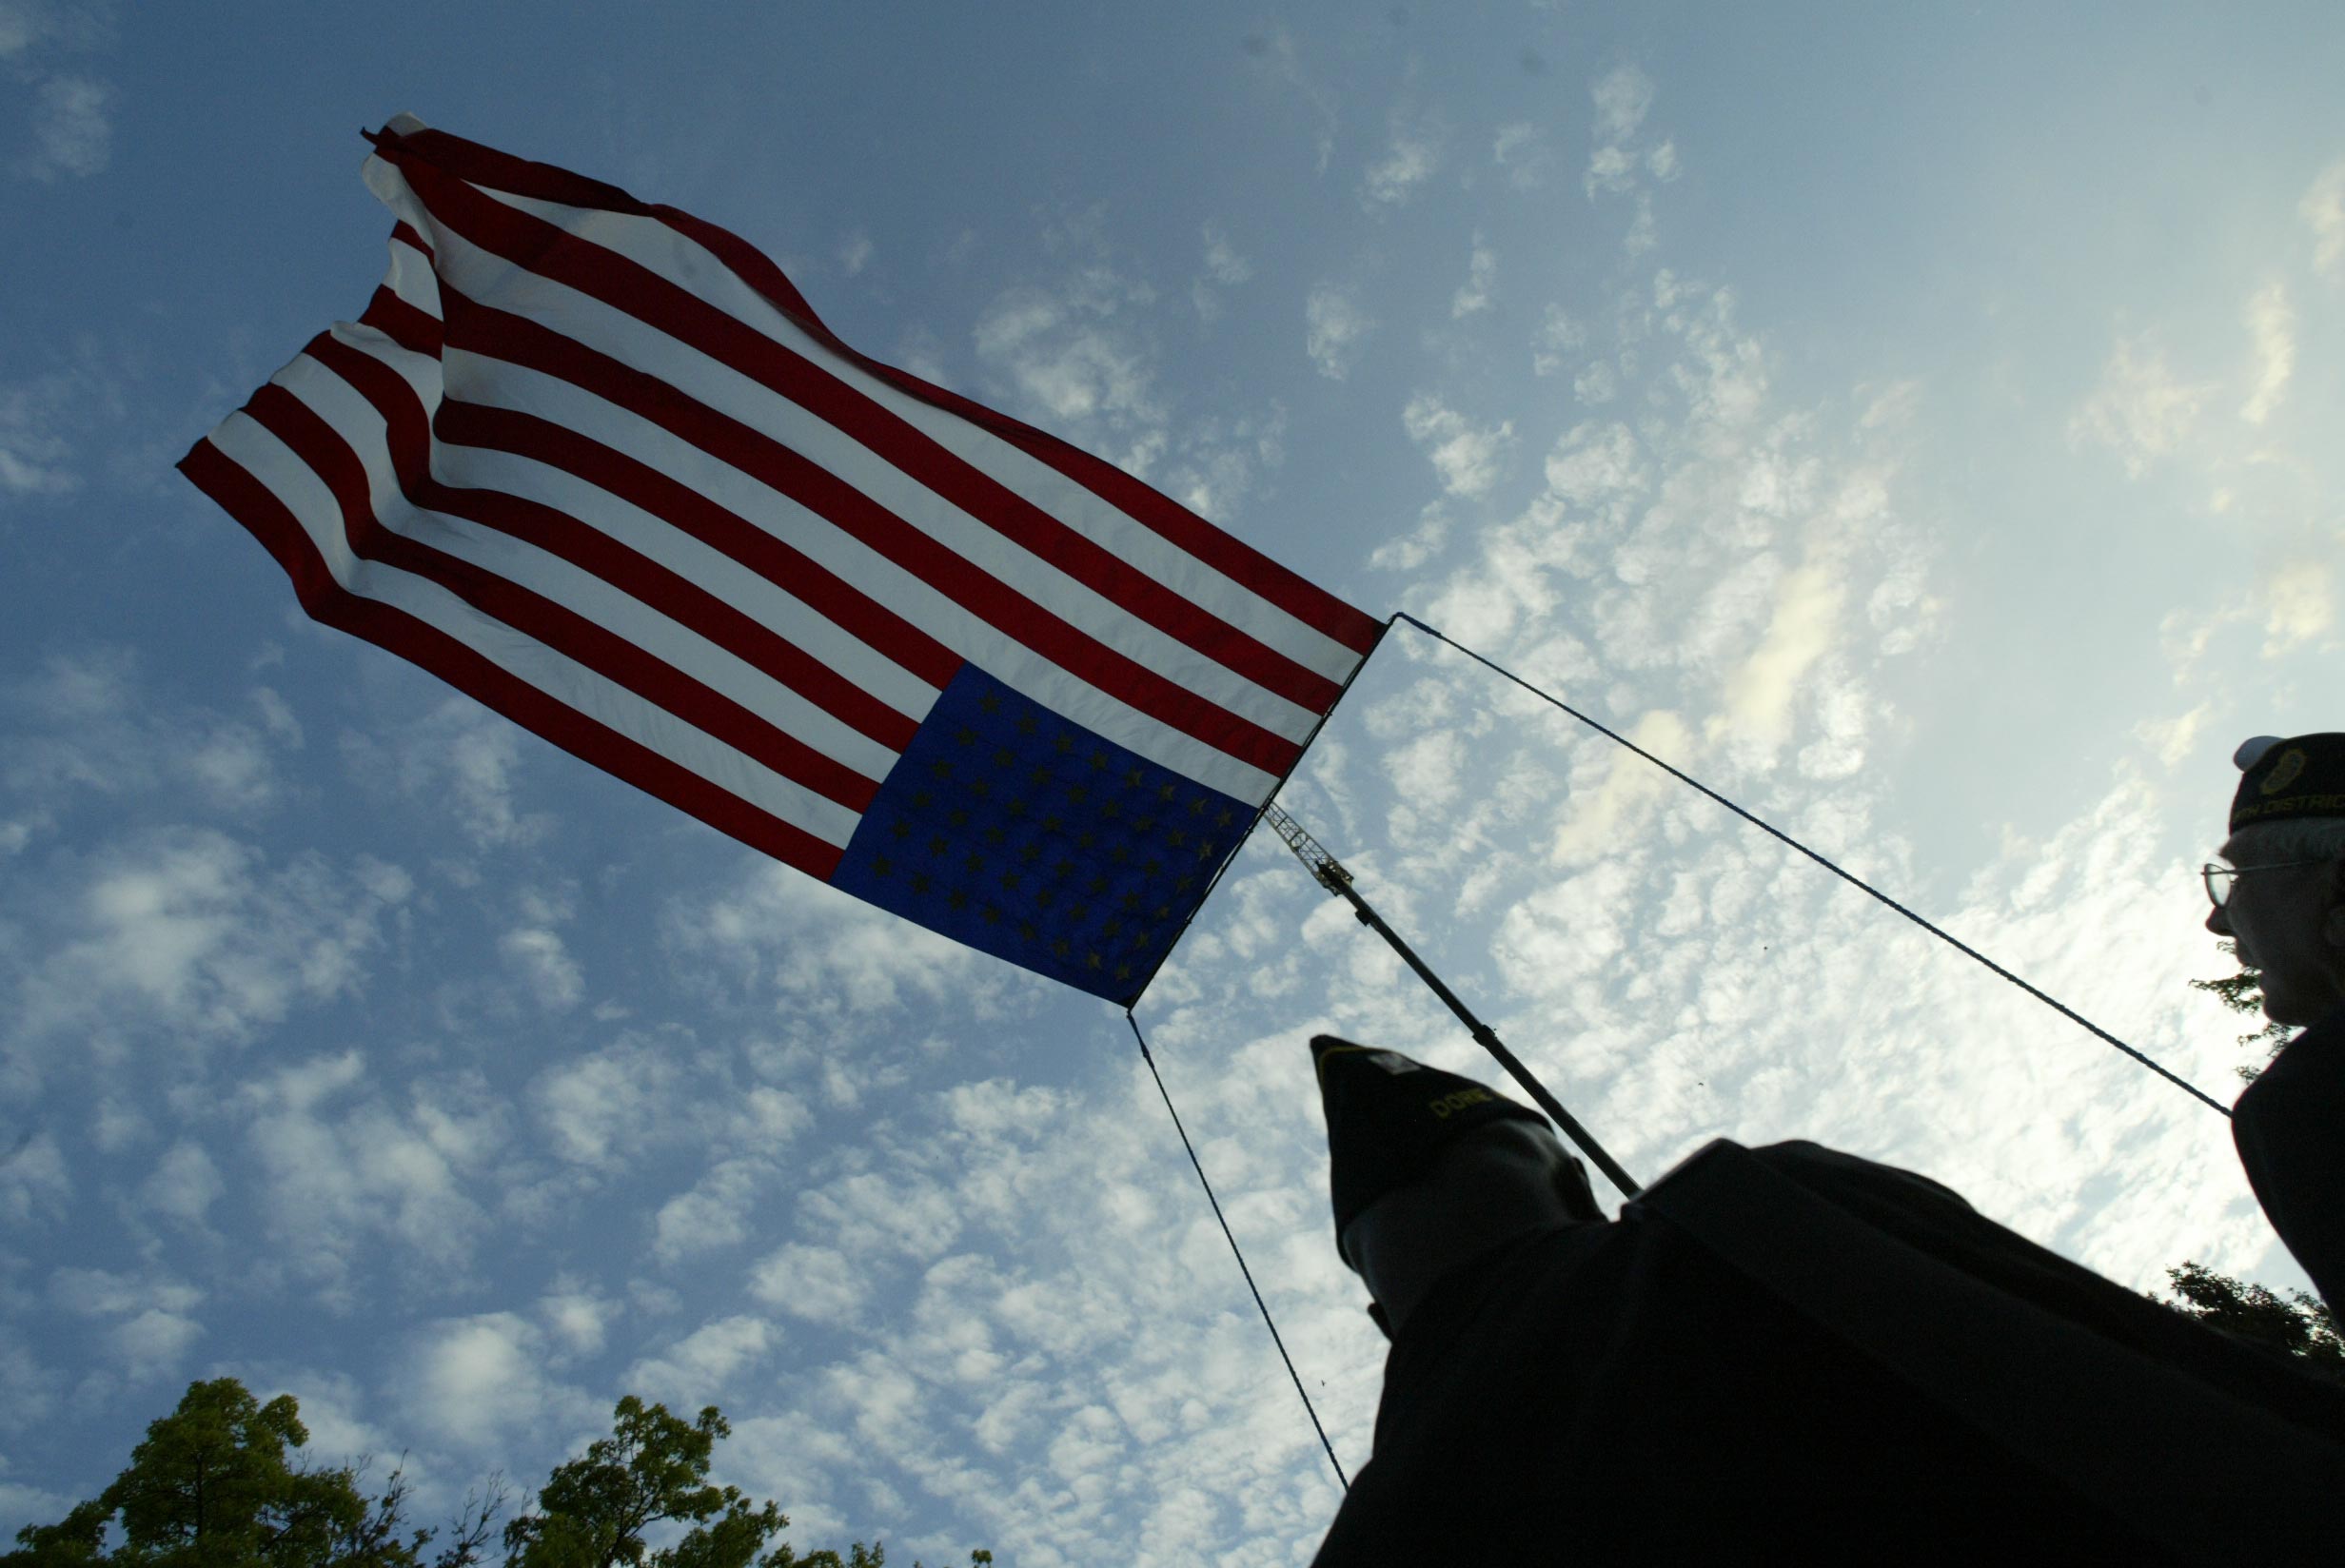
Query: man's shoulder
[(2309, 1068)]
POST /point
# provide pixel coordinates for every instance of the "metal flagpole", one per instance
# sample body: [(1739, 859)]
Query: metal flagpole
[(1331, 875)]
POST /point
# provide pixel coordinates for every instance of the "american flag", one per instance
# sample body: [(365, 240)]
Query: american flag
[(598, 464)]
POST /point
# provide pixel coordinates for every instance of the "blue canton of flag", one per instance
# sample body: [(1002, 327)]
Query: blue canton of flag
[(1013, 830), (598, 463)]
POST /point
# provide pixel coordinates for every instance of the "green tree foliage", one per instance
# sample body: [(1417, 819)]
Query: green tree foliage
[(2302, 1325), (213, 1487), (2244, 993)]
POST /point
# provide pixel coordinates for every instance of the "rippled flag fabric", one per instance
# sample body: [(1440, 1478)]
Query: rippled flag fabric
[(597, 463)]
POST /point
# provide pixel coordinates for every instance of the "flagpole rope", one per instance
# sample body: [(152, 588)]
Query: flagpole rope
[(1148, 1056), (1853, 880)]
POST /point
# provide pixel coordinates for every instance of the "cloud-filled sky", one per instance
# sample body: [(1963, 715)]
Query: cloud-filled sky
[(1919, 426)]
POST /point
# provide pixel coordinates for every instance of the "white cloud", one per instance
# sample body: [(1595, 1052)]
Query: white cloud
[(1214, 463), (477, 1381), (1610, 168), (1642, 235), (96, 1293), (1335, 329), (1558, 336), (715, 1214), (1412, 157), (1475, 295), (1598, 819), (185, 1183), (1427, 771), (601, 1108), (20, 26), (72, 128), (462, 756), (1521, 148), (779, 932), (1224, 268), (2272, 324), (30, 1502), (1414, 548), (819, 1284), (2171, 739), (1076, 357), (35, 1183), (330, 1402), (698, 1370), (539, 956), (346, 1170), (29, 1386), (2323, 211), (577, 1318), (1469, 460), (67, 23), (190, 932), (1222, 262), (854, 253), (35, 458), (1758, 694), (154, 1342), (148, 1328), (1622, 97), (903, 1215), (91, 725), (2141, 410), (2299, 604), (1592, 461)]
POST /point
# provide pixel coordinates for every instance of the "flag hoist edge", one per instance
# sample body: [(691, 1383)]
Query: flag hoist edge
[(597, 463)]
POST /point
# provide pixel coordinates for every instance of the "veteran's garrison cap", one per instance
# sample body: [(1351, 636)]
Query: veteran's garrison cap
[(1388, 1115), (2282, 780)]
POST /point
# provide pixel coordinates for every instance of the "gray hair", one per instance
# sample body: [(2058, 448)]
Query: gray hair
[(2301, 838)]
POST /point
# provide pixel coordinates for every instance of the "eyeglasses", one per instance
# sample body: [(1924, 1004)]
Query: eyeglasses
[(2218, 878)]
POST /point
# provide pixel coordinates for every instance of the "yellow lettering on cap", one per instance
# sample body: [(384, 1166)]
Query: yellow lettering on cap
[(1459, 1101), (2300, 805)]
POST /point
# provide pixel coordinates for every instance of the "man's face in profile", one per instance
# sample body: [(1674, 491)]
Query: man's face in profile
[(2288, 922)]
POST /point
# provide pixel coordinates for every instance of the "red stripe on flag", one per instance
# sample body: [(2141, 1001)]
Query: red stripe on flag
[(840, 601), (330, 458), (417, 331), (327, 603), (500, 334), (1299, 597), (586, 548), (626, 286), (404, 232)]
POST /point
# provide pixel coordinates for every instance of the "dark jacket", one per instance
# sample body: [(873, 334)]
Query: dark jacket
[(2290, 1130), (1788, 1354)]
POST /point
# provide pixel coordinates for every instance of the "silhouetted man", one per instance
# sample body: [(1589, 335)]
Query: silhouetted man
[(1784, 1354), (2279, 895)]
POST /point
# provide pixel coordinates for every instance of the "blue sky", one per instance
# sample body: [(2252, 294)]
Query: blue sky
[(1921, 428)]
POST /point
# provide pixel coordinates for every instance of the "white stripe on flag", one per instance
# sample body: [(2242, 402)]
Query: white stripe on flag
[(601, 604), (282, 473), (657, 540), (490, 280), (411, 278), (654, 538), (684, 261), (940, 616)]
